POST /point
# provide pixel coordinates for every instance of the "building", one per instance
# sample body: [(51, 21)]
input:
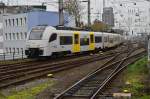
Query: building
[(16, 27), (108, 16), (133, 17), (20, 9), (6, 10), (1, 34)]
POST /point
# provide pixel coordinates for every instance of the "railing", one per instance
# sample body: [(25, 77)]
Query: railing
[(12, 56)]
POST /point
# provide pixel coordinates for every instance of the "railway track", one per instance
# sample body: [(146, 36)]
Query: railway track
[(91, 86), (4, 67), (20, 73), (48, 60)]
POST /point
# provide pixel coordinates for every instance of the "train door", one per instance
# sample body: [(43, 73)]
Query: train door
[(92, 43), (76, 42)]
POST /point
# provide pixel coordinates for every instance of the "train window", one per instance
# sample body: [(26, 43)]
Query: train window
[(76, 38), (53, 37), (110, 40), (98, 39), (65, 40), (92, 38), (84, 41), (37, 33), (105, 39)]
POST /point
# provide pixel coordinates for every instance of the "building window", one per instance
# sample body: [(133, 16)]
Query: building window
[(14, 36), (25, 20), (17, 21), (17, 36), (21, 21), (6, 22), (21, 50), (25, 34), (6, 50), (21, 36), (9, 22), (10, 36), (18, 50), (13, 22), (9, 50), (6, 36), (13, 50)]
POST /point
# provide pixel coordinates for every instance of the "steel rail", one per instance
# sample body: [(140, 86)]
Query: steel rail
[(110, 78), (90, 75), (47, 66), (114, 73), (83, 79), (44, 71), (2, 66)]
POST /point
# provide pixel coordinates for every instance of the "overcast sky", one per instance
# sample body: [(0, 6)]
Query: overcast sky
[(96, 5)]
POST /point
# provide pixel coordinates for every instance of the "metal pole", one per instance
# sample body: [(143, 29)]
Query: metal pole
[(4, 56), (148, 38), (103, 4), (61, 15), (22, 54), (89, 12), (13, 55)]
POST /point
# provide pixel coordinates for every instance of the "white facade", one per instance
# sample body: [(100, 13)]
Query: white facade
[(133, 17), (16, 27), (1, 34), (15, 32)]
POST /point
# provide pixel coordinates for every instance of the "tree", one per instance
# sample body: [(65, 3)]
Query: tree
[(99, 26), (74, 8)]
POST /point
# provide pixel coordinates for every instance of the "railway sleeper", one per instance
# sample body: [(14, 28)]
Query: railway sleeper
[(93, 82), (83, 92), (90, 85), (99, 78), (72, 91), (88, 88)]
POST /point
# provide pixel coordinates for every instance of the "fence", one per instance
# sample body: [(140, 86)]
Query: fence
[(12, 56)]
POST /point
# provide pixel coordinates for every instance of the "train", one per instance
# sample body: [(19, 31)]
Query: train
[(43, 41)]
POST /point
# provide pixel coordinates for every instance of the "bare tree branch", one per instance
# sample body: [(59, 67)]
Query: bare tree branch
[(74, 8)]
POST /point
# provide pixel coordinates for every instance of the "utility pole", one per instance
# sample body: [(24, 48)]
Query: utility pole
[(8, 2), (103, 4), (89, 12), (148, 37), (61, 15)]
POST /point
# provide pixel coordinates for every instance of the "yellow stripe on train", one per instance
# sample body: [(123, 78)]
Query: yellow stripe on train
[(92, 41), (76, 42)]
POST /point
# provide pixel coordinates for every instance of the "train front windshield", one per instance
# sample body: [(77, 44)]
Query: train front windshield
[(37, 33)]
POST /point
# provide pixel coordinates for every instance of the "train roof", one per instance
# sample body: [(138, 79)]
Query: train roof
[(74, 29), (70, 28)]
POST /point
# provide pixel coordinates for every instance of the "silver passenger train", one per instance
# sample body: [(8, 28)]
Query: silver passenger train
[(49, 41)]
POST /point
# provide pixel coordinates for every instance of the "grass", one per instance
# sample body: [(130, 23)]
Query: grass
[(29, 93), (134, 77)]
